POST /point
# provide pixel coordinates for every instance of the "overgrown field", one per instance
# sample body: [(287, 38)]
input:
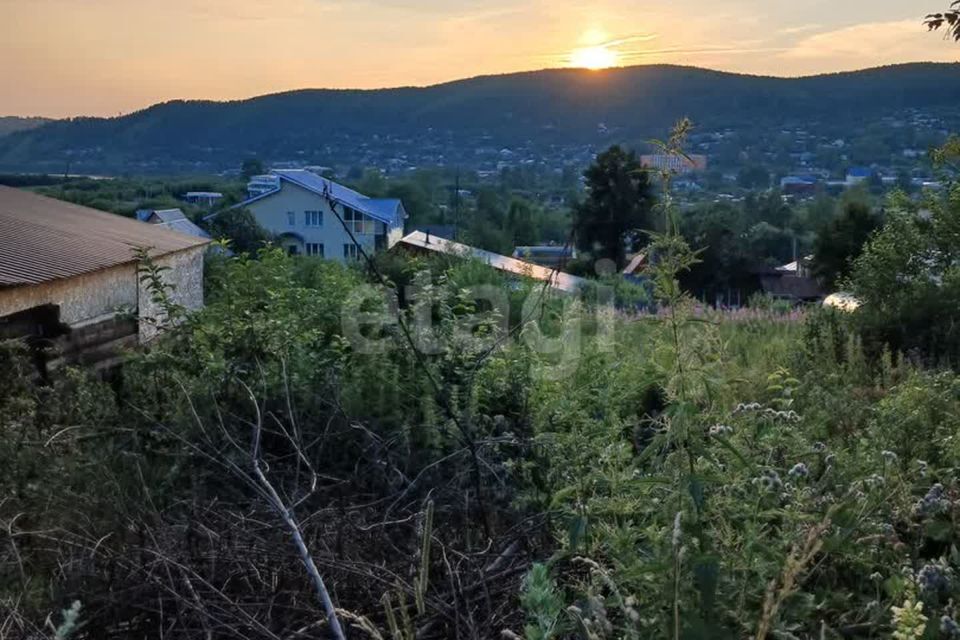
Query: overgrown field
[(553, 470)]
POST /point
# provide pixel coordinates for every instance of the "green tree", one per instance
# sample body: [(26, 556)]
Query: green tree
[(240, 228), (841, 241), (717, 233), (252, 167), (754, 177), (522, 222), (908, 280), (618, 206)]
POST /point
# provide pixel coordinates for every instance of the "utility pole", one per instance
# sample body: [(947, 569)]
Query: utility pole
[(456, 202)]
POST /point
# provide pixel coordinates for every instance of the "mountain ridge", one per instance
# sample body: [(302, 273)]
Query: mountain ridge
[(543, 108)]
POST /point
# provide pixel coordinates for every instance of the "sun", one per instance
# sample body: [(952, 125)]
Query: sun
[(599, 57)]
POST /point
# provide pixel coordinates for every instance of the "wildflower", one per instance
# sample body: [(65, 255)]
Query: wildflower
[(922, 467), (933, 578), (874, 482), (719, 430), (799, 470), (933, 503), (819, 447), (889, 456), (745, 408), (909, 620), (876, 576), (769, 480)]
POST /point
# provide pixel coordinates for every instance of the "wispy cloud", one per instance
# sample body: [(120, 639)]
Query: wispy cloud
[(803, 28), (870, 44)]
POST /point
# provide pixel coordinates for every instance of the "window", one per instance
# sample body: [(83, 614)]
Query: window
[(315, 249), (350, 252), (291, 218), (357, 222), (313, 218)]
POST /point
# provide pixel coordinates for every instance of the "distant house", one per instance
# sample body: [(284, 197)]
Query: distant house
[(790, 282), (173, 219), (798, 185), (315, 216), (799, 267), (676, 164), (259, 185), (419, 242), (553, 256), (203, 198), (792, 288), (858, 175), (69, 276)]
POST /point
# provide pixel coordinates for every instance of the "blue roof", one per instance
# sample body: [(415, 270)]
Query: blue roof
[(859, 172), (387, 210)]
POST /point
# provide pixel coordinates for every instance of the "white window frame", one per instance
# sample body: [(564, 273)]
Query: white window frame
[(358, 222), (312, 218)]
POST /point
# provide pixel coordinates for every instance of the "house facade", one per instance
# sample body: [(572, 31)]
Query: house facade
[(314, 216)]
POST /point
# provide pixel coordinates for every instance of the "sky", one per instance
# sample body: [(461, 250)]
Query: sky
[(105, 57)]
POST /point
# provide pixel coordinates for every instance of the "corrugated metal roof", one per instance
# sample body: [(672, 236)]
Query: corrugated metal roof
[(43, 239), (558, 279), (183, 225), (169, 215)]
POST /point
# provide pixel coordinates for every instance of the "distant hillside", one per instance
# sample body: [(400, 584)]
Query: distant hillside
[(541, 109), (10, 124)]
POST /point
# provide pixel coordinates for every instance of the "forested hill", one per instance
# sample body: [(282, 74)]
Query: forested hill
[(542, 108), (10, 124)]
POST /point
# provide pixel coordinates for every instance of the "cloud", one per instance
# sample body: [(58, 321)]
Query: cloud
[(803, 28), (870, 44)]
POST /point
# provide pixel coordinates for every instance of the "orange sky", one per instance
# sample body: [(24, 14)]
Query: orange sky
[(103, 57)]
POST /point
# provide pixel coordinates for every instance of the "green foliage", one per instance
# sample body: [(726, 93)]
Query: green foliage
[(240, 229), (840, 242), (542, 604), (908, 281), (617, 208), (252, 167), (684, 475), (543, 106)]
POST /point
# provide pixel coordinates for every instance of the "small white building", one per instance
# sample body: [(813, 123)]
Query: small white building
[(69, 274), (315, 216), (203, 198)]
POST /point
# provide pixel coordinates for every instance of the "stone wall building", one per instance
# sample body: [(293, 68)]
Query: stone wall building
[(69, 276)]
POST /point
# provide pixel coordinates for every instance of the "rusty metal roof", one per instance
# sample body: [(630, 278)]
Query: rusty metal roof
[(43, 239)]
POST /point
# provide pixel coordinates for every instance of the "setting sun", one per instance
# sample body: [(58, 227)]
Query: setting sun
[(599, 57)]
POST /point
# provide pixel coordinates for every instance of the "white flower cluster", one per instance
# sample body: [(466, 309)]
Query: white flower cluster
[(799, 470), (720, 430), (756, 407), (769, 480)]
